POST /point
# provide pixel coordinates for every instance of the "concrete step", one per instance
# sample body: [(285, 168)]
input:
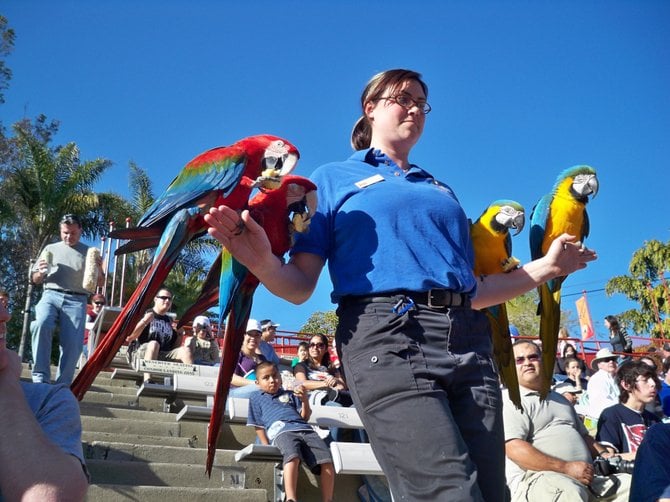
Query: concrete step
[(125, 493), (89, 437), (164, 474), (105, 450), (95, 410)]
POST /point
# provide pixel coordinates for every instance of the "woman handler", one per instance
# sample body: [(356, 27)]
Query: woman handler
[(416, 355)]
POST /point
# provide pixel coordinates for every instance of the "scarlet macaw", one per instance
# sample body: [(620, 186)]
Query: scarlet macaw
[(561, 211), (493, 254), (272, 210), (224, 175)]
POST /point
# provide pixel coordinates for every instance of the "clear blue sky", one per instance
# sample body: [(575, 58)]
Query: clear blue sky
[(520, 90)]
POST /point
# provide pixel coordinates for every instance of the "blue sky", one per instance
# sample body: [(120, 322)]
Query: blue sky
[(520, 90)]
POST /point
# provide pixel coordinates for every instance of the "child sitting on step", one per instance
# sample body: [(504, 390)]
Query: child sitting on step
[(280, 418)]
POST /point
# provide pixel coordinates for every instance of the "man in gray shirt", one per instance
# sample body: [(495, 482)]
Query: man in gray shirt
[(60, 268), (549, 450)]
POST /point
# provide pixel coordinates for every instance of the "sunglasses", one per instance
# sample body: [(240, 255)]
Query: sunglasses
[(166, 298), (609, 360), (98, 303), (532, 358), (319, 345)]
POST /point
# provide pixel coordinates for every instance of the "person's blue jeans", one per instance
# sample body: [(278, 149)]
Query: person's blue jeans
[(427, 390), (69, 313), (245, 391)]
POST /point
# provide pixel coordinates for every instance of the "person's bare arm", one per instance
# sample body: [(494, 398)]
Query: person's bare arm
[(526, 456), (564, 257), (32, 467)]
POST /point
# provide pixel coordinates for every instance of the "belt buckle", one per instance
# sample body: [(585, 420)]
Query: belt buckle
[(430, 299)]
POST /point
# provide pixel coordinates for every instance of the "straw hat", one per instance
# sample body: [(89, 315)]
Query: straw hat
[(600, 355)]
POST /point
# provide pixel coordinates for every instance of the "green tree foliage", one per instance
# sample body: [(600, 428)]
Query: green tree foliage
[(6, 45), (321, 323), (38, 184), (647, 285)]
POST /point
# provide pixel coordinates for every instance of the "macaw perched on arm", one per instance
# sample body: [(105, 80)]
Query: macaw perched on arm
[(561, 211), (223, 175), (280, 212), (492, 244)]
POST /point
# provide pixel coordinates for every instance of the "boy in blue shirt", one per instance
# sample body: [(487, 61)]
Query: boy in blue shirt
[(280, 418)]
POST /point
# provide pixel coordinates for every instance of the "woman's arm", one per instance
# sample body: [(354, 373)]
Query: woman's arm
[(294, 281), (564, 257)]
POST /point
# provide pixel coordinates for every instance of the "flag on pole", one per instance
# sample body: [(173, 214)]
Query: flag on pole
[(585, 322)]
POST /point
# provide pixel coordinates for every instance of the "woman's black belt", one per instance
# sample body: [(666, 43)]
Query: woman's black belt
[(433, 298)]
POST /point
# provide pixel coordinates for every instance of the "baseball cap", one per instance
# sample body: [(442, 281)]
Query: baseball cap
[(253, 325), (202, 321), (267, 323)]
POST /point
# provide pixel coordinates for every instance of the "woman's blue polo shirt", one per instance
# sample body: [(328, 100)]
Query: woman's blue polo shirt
[(381, 229)]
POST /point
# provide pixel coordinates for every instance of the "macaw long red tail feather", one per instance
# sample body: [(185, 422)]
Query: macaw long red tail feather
[(178, 233), (232, 344)]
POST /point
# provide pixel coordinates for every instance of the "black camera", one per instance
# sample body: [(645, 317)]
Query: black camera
[(613, 465)]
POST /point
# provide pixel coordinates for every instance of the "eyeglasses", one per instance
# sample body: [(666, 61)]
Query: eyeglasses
[(319, 345), (98, 303), (165, 298), (408, 103), (532, 358), (608, 360)]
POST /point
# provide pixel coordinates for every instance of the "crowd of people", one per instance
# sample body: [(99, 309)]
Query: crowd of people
[(413, 345)]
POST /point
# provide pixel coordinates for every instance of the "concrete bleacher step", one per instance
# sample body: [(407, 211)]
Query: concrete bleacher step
[(124, 493), (138, 451)]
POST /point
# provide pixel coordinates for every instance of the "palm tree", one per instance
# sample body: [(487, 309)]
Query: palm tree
[(38, 184)]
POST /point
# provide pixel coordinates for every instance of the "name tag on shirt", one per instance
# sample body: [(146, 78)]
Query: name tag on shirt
[(370, 181)]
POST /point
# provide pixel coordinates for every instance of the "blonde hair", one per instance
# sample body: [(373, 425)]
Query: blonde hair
[(361, 135)]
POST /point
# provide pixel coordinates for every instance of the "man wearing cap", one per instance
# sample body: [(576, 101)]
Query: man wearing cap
[(549, 450), (602, 390), (268, 333), (204, 348), (60, 268)]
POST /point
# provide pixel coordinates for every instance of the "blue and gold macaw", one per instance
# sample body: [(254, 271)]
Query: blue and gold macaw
[(224, 175), (492, 244), (561, 211)]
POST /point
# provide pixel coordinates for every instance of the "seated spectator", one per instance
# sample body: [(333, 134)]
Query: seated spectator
[(549, 451), (303, 354), (202, 345), (317, 372), (651, 475), (569, 352), (268, 334), (41, 456), (243, 383), (154, 337), (621, 427), (280, 417), (92, 311), (602, 390), (574, 374), (655, 406), (568, 391)]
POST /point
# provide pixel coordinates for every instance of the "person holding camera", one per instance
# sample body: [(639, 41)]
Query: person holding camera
[(549, 451), (621, 427)]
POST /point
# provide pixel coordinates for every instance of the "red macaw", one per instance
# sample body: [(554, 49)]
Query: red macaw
[(561, 211), (492, 244), (224, 175), (272, 210)]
